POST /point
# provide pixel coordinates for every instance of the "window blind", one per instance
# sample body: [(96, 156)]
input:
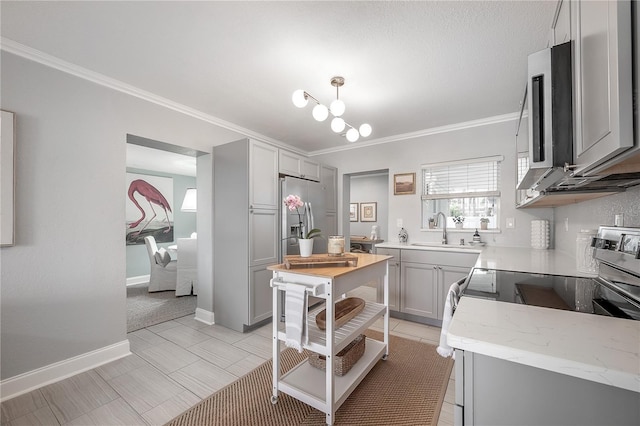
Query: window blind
[(460, 179)]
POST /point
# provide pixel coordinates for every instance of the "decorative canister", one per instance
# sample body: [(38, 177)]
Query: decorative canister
[(585, 261), (335, 245)]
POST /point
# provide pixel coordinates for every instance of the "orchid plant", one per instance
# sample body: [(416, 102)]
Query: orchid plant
[(293, 202)]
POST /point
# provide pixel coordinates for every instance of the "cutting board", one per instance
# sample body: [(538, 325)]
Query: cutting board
[(344, 310), (320, 260)]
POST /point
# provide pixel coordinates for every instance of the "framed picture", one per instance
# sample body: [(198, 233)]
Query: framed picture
[(7, 185), (404, 183), (368, 212), (149, 208), (353, 212)]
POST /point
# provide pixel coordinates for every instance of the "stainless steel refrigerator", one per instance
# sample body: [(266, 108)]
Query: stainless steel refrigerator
[(312, 215)]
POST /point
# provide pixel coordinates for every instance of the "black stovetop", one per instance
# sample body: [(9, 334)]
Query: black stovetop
[(588, 295)]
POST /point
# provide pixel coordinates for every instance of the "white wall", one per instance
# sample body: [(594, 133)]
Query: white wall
[(591, 214), (63, 284), (408, 156)]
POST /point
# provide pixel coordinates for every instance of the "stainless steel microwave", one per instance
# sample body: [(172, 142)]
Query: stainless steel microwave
[(549, 88)]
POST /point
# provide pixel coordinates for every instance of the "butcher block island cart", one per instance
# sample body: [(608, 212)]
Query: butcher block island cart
[(322, 389)]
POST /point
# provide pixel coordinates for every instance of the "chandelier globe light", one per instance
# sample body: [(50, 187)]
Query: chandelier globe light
[(365, 130), (300, 99), (337, 124), (352, 135), (320, 112)]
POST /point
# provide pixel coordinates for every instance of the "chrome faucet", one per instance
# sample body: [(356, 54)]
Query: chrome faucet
[(444, 226)]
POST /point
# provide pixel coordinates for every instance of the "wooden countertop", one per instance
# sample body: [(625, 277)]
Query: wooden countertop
[(364, 240), (364, 260)]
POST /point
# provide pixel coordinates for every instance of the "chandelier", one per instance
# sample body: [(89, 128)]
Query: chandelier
[(320, 112)]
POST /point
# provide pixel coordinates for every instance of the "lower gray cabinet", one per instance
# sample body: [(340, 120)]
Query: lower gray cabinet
[(492, 391), (260, 305), (419, 289), (420, 279)]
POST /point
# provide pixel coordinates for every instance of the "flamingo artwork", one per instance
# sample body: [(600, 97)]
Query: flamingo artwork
[(153, 196)]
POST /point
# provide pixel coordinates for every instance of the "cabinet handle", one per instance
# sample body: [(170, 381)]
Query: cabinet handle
[(568, 167)]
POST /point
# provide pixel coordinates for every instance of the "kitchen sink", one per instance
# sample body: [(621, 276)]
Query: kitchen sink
[(444, 246)]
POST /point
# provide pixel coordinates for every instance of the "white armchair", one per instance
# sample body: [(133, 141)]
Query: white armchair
[(163, 270), (187, 267)]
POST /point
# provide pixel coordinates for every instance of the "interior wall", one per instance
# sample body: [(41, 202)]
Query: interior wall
[(366, 189), (407, 156), (594, 213), (62, 291), (184, 223)]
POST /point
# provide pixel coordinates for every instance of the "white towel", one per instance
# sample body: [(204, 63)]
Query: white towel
[(295, 314), (444, 349)]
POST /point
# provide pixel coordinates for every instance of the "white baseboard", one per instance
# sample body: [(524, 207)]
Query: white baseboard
[(141, 279), (204, 316), (26, 382)]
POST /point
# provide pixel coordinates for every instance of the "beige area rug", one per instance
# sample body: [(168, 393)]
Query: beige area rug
[(145, 309), (406, 389)]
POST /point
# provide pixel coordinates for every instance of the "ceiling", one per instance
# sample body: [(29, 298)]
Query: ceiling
[(410, 67)]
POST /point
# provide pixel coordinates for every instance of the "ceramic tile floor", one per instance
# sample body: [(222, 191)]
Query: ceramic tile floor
[(173, 366)]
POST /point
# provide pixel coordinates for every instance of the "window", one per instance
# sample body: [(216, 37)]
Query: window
[(466, 191)]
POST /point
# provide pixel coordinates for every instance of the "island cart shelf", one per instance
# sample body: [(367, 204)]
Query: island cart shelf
[(324, 390)]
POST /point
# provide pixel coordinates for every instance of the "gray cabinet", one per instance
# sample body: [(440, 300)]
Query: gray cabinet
[(245, 236), (263, 176), (419, 281), (393, 278), (419, 289), (329, 182), (491, 391), (260, 305), (292, 164), (603, 114)]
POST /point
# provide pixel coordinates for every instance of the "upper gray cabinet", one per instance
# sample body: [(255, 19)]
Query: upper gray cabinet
[(263, 186), (329, 182), (292, 164), (603, 113)]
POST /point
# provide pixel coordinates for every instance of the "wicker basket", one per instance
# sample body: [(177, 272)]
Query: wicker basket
[(344, 360)]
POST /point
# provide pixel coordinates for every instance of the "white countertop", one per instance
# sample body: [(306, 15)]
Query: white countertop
[(592, 347), (518, 259), (535, 261)]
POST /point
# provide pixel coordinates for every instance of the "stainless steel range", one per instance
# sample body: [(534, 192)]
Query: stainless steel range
[(614, 292)]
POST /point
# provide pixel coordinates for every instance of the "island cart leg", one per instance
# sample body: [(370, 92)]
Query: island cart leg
[(385, 320), (329, 327), (276, 306)]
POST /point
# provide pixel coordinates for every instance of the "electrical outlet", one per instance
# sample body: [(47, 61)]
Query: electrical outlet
[(511, 223), (399, 223)]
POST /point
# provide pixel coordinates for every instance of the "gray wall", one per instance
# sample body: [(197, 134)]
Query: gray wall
[(373, 188), (184, 223), (63, 283), (407, 156)]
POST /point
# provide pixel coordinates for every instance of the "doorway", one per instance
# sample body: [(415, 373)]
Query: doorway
[(167, 170), (368, 206)]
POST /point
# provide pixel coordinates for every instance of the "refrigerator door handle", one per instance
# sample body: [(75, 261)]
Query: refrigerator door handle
[(310, 217)]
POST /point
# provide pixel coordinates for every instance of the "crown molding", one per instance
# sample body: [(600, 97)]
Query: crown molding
[(420, 133), (51, 61)]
